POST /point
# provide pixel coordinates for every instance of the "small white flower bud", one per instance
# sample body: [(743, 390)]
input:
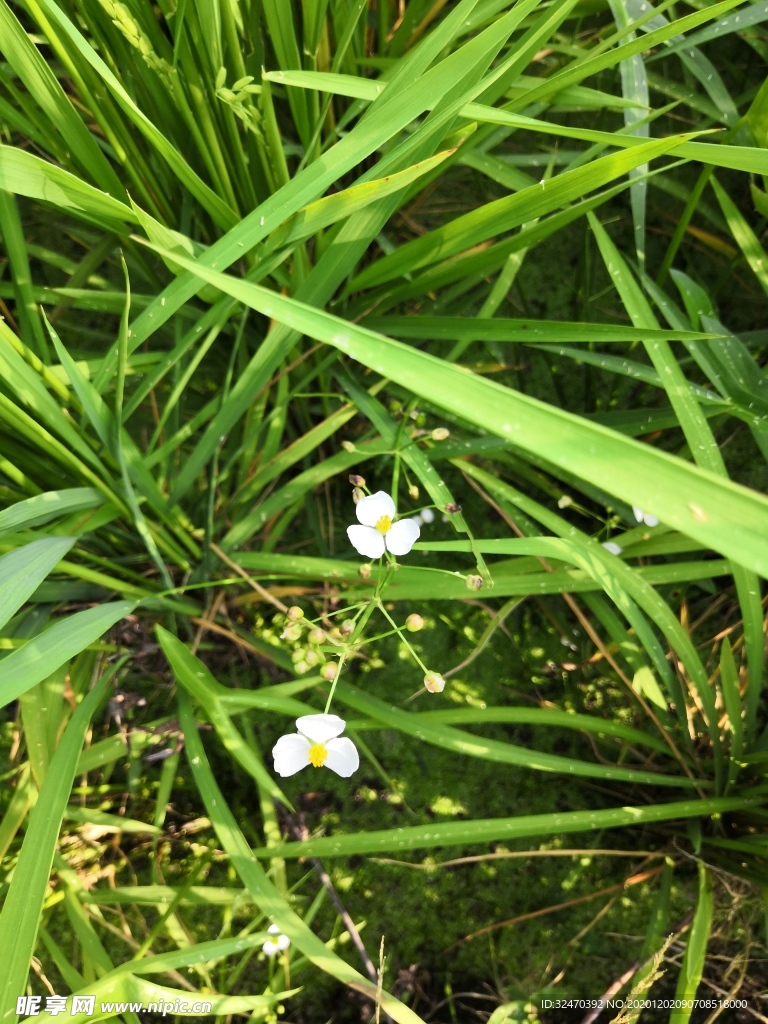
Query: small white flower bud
[(474, 582), (434, 682), (565, 501), (364, 572), (414, 623), (427, 515), (357, 494), (291, 632), (440, 434), (413, 492), (298, 655), (356, 480), (347, 627), (295, 613), (348, 446), (329, 670), (312, 658), (316, 636)]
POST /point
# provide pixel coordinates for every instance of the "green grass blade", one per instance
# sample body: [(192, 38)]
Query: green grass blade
[(696, 949), (489, 830), (726, 517), (42, 508), (24, 902), (23, 570), (42, 655)]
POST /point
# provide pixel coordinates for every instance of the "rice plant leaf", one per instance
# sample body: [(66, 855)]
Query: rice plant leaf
[(391, 113), (550, 717), (488, 830), (509, 212), (457, 328), (746, 239), (17, 808), (193, 675), (25, 174), (634, 87), (449, 738), (23, 570), (729, 685), (313, 218), (38, 77), (208, 199), (18, 261), (42, 655), (730, 519), (296, 488), (108, 822), (29, 388), (588, 65), (24, 902), (746, 17), (696, 949), (265, 894), (42, 508)]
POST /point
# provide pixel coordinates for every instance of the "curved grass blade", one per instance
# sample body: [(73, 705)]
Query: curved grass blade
[(727, 517), (488, 830), (42, 655), (23, 570), (24, 903)]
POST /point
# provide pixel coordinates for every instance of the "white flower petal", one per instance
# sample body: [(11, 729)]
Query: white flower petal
[(366, 541), (402, 537), (650, 520), (274, 929), (291, 754), (270, 948), (283, 942), (612, 546), (342, 757), (370, 510), (320, 728), (428, 515), (417, 519), (638, 513)]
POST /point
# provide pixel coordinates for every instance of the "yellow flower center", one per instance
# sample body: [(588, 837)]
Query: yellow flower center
[(384, 525), (318, 755)]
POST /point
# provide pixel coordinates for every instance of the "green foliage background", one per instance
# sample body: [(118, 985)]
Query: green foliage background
[(498, 257)]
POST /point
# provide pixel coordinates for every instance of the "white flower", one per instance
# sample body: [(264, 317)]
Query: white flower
[(427, 515), (378, 532), (611, 546), (644, 517), (277, 945), (318, 742)]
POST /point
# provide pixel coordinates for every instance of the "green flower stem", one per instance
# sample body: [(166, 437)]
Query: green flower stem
[(400, 633)]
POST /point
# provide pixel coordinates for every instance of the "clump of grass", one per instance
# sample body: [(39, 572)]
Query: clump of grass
[(258, 254)]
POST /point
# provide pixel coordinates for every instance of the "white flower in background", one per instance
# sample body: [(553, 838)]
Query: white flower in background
[(378, 532), (276, 945), (427, 515), (611, 546), (318, 742), (644, 517)]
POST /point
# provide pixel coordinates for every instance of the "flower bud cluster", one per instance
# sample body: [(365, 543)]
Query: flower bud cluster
[(306, 641)]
